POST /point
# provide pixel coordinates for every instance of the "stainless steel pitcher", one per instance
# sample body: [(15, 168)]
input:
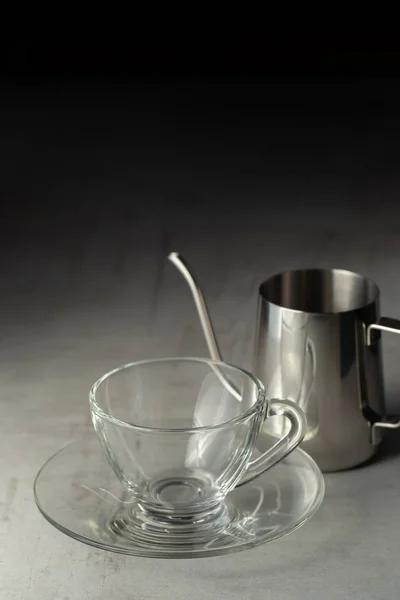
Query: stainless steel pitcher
[(318, 344)]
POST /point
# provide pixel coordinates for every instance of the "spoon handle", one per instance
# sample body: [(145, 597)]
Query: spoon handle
[(205, 321), (200, 303)]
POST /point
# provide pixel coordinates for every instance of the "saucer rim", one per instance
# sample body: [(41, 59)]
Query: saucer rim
[(187, 554)]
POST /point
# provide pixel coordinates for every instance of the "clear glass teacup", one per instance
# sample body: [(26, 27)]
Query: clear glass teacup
[(179, 434)]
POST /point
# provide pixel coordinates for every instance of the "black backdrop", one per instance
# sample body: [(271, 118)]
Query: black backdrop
[(247, 54)]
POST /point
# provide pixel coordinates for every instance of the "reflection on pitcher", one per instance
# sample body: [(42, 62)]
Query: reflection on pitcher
[(292, 360)]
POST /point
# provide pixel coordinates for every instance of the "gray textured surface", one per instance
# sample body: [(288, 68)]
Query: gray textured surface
[(86, 287)]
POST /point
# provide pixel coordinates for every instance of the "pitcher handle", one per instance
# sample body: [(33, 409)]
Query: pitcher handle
[(391, 326), (285, 445)]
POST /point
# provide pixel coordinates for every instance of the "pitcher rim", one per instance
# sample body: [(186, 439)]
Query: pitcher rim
[(325, 270)]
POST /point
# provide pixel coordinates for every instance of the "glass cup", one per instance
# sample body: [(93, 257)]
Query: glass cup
[(179, 434)]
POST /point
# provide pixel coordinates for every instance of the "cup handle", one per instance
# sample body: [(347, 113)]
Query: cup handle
[(391, 326), (285, 445)]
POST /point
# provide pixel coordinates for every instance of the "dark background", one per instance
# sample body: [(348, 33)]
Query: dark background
[(249, 104), (247, 55), (234, 132)]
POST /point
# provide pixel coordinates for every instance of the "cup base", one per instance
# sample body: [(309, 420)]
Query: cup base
[(179, 507), (150, 528)]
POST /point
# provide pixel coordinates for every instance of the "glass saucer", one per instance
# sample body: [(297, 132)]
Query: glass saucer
[(77, 492)]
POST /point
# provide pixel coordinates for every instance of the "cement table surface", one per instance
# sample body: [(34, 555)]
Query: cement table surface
[(93, 205)]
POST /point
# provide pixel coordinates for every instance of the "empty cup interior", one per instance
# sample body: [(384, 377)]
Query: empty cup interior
[(176, 393)]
